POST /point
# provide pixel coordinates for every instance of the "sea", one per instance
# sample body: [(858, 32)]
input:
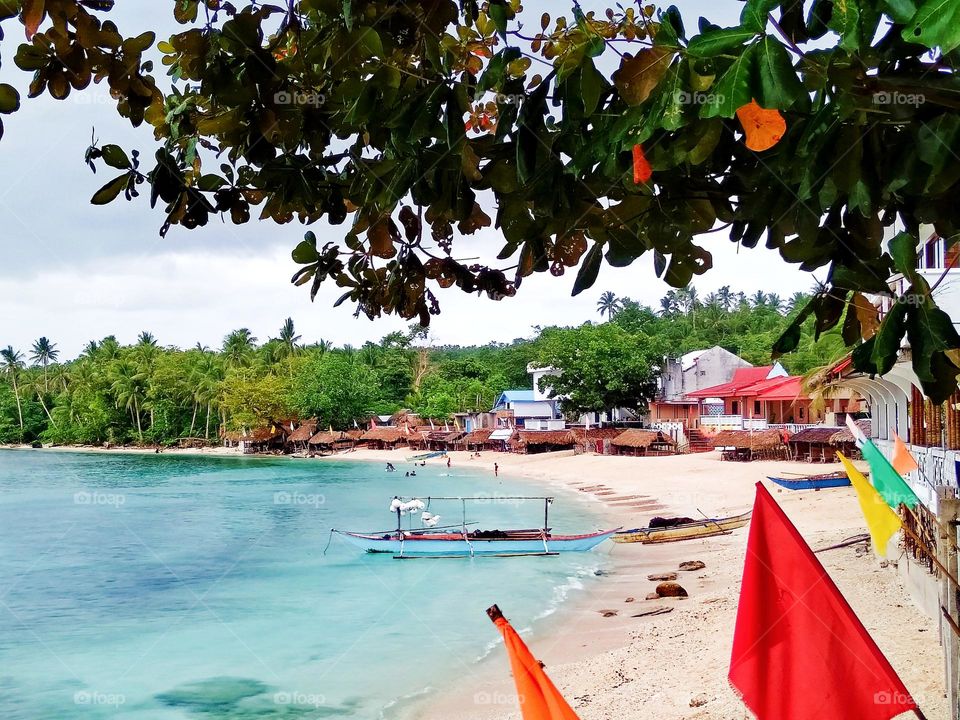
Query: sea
[(162, 587)]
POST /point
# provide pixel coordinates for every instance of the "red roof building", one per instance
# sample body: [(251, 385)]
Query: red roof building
[(758, 394)]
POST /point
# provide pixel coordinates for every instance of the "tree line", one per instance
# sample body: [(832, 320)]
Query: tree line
[(145, 393)]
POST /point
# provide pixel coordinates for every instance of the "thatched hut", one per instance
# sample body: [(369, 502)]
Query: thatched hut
[(751, 444), (263, 439), (330, 441), (595, 440), (821, 443), (476, 440), (383, 438), (638, 442), (538, 441), (300, 438)]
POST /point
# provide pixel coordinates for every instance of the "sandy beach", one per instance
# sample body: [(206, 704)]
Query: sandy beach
[(608, 662)]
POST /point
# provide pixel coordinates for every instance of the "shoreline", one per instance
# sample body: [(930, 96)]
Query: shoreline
[(670, 665)]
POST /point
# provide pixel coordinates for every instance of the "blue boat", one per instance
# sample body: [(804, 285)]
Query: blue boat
[(812, 482)]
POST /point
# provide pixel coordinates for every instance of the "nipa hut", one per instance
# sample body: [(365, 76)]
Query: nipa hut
[(300, 438), (595, 440), (751, 445), (477, 440), (383, 438), (642, 442), (820, 444), (538, 441), (263, 439), (327, 441)]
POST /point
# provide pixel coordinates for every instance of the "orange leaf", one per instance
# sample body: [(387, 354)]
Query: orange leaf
[(641, 168), (32, 15), (763, 128)]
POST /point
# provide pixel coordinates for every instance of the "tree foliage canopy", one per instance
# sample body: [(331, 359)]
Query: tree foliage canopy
[(412, 116)]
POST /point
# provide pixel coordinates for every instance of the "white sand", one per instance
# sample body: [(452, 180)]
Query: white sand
[(627, 668)]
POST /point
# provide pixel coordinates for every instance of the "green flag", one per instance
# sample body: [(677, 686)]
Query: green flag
[(886, 480)]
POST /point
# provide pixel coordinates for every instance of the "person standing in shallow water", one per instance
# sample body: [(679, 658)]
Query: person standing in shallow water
[(496, 470), (448, 462)]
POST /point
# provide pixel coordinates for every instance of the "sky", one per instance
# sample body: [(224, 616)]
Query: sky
[(74, 272)]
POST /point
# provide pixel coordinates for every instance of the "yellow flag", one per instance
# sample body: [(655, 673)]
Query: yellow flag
[(882, 521)]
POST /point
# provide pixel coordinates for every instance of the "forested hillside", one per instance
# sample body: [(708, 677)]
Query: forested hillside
[(149, 393)]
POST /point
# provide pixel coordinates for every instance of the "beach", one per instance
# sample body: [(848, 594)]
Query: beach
[(608, 662)]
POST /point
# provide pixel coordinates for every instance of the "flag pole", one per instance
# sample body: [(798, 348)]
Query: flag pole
[(919, 713)]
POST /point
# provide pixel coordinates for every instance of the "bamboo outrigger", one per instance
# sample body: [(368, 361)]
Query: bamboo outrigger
[(708, 527)]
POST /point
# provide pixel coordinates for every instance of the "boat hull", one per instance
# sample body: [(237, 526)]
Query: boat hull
[(688, 531), (449, 544), (811, 483)]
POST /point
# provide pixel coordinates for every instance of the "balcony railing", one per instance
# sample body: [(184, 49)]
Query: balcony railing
[(732, 422)]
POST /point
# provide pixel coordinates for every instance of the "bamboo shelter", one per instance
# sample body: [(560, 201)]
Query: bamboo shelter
[(383, 438), (300, 438), (538, 441), (327, 441), (638, 442), (595, 440), (751, 445)]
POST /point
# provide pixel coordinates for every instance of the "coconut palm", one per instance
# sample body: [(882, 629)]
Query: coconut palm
[(775, 302), (147, 338), (127, 383), (669, 304), (758, 299), (797, 301), (38, 386), (238, 347), (608, 304), (288, 340), (43, 353), (12, 365), (726, 297)]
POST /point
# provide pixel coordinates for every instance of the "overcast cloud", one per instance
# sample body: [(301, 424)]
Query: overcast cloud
[(74, 272)]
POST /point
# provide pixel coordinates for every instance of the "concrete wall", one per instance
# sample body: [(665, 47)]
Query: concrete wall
[(713, 367)]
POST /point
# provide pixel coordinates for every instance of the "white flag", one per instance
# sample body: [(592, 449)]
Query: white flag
[(857, 432)]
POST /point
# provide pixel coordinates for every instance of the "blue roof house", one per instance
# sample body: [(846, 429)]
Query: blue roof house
[(523, 405)]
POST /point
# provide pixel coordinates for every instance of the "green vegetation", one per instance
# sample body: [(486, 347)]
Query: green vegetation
[(599, 136), (146, 393)]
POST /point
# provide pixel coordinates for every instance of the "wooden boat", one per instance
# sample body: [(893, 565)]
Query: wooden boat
[(812, 482), (708, 527), (457, 541), (445, 543), (426, 456)]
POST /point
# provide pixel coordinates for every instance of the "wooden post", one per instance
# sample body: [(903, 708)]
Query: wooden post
[(949, 512)]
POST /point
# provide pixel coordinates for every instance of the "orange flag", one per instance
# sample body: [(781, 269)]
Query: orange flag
[(538, 696), (903, 462)]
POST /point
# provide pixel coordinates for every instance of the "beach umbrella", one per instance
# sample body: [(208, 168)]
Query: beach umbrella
[(538, 697)]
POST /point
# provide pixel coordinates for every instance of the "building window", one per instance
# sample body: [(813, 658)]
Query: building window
[(801, 412), (735, 408), (756, 407)]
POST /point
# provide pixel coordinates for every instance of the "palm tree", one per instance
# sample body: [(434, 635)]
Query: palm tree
[(238, 347), (12, 365), (608, 304), (39, 389), (147, 338), (126, 383), (775, 302), (797, 300), (758, 299), (669, 304), (288, 339), (726, 297), (44, 352)]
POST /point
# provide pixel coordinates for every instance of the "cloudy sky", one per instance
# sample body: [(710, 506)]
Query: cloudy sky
[(74, 272)]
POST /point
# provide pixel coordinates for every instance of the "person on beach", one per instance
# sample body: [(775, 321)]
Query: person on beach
[(448, 462), (496, 470)]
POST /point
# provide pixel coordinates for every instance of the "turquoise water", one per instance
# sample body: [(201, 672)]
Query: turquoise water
[(176, 588)]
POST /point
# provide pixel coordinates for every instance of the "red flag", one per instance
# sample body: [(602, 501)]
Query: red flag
[(799, 651)]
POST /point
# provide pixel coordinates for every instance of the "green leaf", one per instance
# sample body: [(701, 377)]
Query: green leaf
[(109, 192), (900, 10), (779, 85), (498, 13), (589, 269), (888, 337), (936, 24), (9, 9), (305, 253), (710, 132), (756, 12), (845, 21), (903, 250), (9, 99), (115, 157), (591, 85), (790, 338), (734, 89), (715, 42), (348, 14)]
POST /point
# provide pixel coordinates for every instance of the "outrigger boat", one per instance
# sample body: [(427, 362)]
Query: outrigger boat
[(426, 456), (708, 527), (812, 482), (458, 541)]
